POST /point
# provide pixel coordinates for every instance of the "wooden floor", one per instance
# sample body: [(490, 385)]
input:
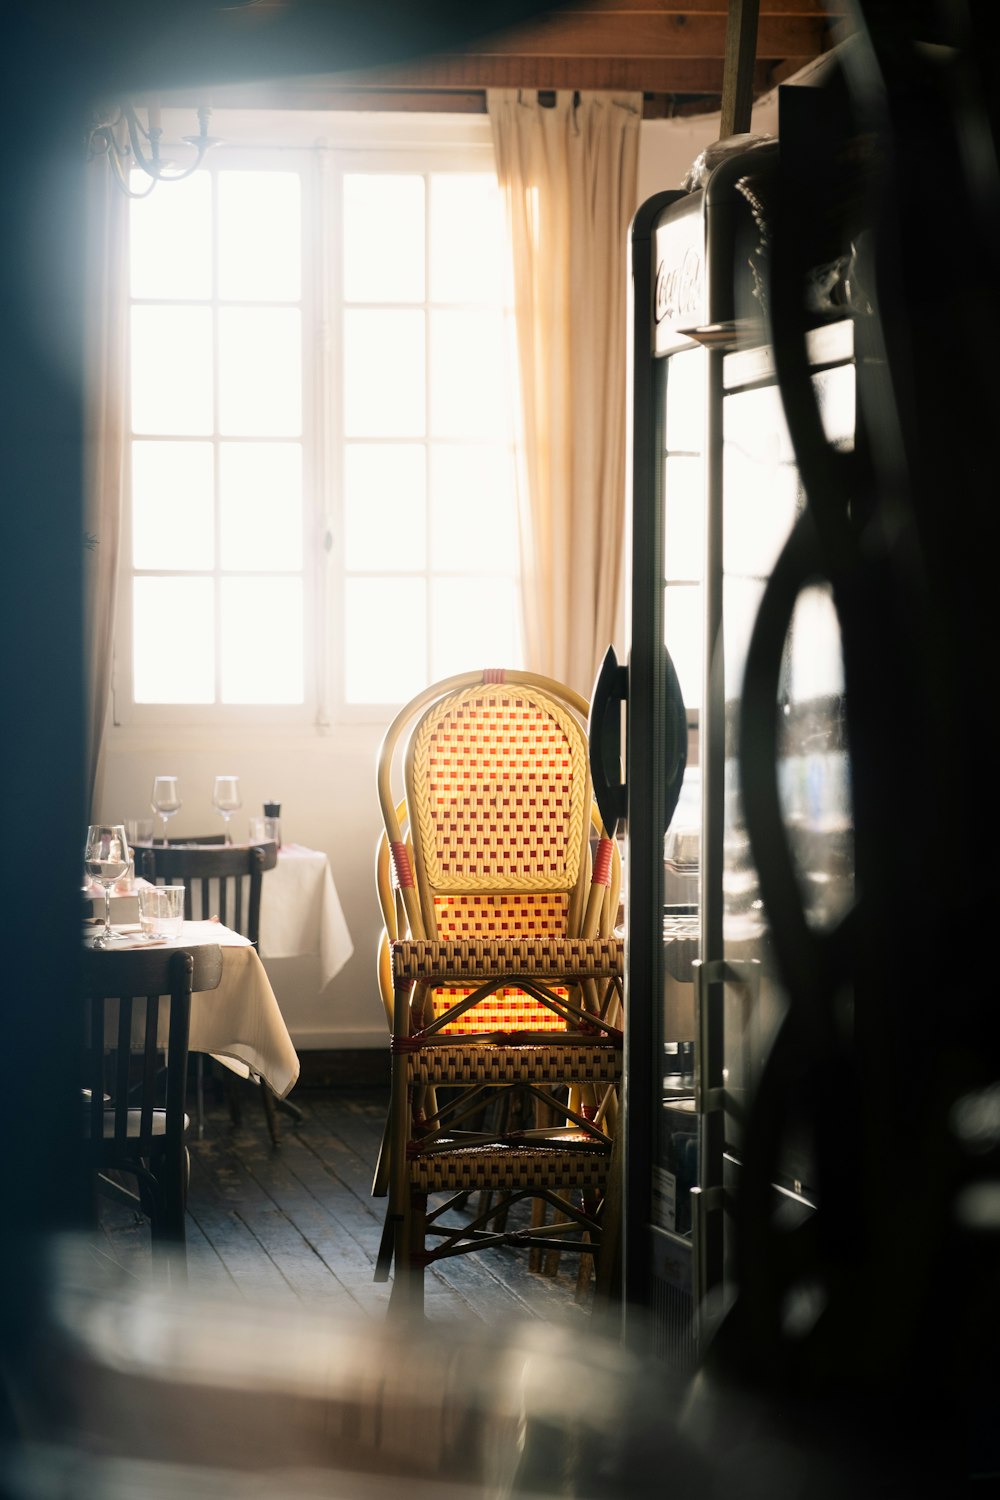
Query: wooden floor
[(297, 1221)]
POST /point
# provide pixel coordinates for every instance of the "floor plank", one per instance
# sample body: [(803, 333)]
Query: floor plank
[(297, 1221)]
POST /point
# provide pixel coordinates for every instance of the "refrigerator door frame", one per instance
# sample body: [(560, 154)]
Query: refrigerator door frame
[(668, 314)]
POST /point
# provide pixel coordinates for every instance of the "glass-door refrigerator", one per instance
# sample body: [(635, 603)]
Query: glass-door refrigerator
[(715, 497)]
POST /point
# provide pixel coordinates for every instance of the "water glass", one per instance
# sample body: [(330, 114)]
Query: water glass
[(161, 910)]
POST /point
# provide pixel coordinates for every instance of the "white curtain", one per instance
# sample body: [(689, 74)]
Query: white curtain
[(568, 175), (104, 447)]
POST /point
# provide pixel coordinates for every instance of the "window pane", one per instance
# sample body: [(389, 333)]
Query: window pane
[(172, 511), (473, 625), (473, 519), (741, 601), (468, 375), (816, 667), (260, 236), (173, 640), (384, 238), (260, 493), (385, 655), (759, 504), (170, 240), (384, 374), (684, 508), (262, 639), (682, 631), (686, 376), (385, 507), (467, 238), (172, 370), (260, 371)]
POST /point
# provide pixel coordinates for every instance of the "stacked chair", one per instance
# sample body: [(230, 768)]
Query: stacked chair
[(501, 978), (137, 1017)]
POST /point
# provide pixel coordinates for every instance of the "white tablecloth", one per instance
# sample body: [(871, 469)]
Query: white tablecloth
[(300, 911), (240, 1022)]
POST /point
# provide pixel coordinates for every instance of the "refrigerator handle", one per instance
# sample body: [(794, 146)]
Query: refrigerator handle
[(604, 733)]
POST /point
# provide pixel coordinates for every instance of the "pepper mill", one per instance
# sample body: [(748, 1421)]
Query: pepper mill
[(272, 821)]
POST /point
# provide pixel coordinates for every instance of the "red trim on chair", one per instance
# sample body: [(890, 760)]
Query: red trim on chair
[(403, 1044), (495, 674), (602, 862), (401, 864)]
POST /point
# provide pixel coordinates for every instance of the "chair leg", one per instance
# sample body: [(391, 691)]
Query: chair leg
[(546, 1264), (380, 1181), (232, 1092), (608, 1290), (288, 1108), (199, 1103), (167, 1207), (383, 1260), (270, 1112), (407, 1298)]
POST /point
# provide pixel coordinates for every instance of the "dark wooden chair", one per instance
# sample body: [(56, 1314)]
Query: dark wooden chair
[(225, 881), (133, 1109)]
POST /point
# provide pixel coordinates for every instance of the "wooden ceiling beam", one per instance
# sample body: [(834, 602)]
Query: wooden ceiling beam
[(815, 8), (647, 75), (579, 33)]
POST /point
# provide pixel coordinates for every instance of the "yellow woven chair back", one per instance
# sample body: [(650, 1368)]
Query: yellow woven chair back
[(499, 796)]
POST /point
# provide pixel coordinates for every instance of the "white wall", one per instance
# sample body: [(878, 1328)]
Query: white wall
[(325, 780)]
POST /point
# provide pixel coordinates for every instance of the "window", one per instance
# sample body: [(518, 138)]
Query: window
[(321, 513)]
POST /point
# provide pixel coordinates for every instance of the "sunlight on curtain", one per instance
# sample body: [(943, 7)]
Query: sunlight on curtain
[(568, 175), (104, 446)]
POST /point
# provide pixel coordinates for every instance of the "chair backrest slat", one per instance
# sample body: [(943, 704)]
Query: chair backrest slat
[(126, 1058), (122, 1071), (214, 876), (150, 1059)]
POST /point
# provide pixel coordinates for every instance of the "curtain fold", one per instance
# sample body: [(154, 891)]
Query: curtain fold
[(104, 449), (568, 174)]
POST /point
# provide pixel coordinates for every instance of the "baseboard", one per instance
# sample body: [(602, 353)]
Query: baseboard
[(328, 1068)]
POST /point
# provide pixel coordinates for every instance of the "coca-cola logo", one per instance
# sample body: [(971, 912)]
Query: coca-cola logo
[(678, 287)]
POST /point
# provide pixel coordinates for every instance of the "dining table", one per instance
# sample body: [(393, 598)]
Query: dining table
[(300, 911), (301, 914), (240, 1023)]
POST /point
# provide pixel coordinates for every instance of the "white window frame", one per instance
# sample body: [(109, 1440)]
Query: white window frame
[(324, 148)]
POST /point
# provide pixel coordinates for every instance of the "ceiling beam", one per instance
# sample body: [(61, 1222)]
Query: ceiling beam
[(737, 75), (643, 34)]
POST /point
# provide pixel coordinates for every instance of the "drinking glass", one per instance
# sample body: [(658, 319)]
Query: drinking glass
[(226, 799), (161, 910), (139, 831), (105, 860), (165, 799)]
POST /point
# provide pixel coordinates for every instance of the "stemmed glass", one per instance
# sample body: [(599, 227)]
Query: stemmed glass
[(165, 799), (105, 860), (226, 799)]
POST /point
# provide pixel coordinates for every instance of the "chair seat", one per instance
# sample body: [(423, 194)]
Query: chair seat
[(507, 1169), (431, 960), (471, 1061), (158, 1124)]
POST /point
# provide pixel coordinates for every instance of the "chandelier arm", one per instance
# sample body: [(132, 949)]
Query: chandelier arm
[(150, 164), (127, 159)]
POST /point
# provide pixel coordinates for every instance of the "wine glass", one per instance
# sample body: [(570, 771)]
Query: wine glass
[(165, 799), (226, 799), (105, 860)]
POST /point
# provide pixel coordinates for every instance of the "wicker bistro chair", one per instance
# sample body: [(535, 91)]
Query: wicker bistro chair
[(499, 972)]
